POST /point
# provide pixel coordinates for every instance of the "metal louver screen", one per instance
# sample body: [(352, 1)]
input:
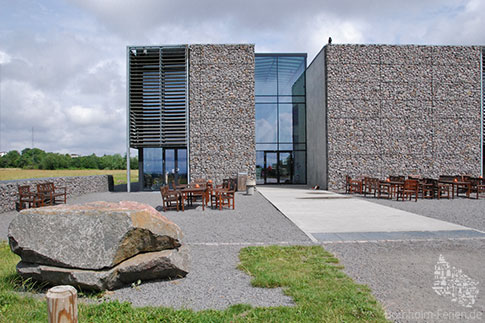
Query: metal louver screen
[(158, 96)]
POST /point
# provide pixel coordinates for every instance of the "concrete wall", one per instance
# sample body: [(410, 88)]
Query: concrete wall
[(402, 110), (75, 186), (316, 122), (222, 111)]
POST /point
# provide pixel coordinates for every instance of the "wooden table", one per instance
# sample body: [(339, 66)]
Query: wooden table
[(458, 184), (188, 193), (395, 185)]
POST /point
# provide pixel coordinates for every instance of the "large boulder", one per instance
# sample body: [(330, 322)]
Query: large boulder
[(146, 266), (98, 245)]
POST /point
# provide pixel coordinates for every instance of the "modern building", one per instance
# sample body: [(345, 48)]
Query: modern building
[(213, 111)]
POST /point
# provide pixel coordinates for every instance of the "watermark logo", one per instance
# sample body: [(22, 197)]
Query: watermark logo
[(451, 282)]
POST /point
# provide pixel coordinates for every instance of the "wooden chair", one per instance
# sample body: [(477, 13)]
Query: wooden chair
[(371, 186), (225, 197), (355, 185), (230, 183), (169, 197), (428, 188), (477, 186), (177, 185), (442, 190), (348, 181), (409, 189), (52, 195), (28, 198)]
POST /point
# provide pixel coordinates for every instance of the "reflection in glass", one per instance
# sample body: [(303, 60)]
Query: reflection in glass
[(182, 165), (266, 122), (286, 123), (299, 123), (259, 167), (163, 166), (290, 69), (285, 168), (265, 75), (152, 168), (299, 160), (267, 147), (270, 172)]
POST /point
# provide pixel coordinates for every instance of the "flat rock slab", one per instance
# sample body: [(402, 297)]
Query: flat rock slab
[(94, 236), (147, 266)]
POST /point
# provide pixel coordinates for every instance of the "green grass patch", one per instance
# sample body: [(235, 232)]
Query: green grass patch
[(119, 175), (312, 276)]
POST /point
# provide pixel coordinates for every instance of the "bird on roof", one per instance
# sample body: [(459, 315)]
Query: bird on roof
[(330, 40)]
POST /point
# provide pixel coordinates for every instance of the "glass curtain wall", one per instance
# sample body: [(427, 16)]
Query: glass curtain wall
[(163, 166), (280, 118)]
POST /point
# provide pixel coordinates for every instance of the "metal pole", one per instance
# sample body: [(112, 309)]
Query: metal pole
[(128, 174)]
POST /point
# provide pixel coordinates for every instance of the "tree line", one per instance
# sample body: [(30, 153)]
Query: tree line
[(35, 158)]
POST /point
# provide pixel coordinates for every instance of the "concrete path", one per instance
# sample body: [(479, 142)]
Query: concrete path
[(326, 217)]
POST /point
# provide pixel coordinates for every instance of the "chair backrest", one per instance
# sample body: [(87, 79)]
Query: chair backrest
[(164, 191), (411, 184), (45, 187), (24, 189), (399, 178), (229, 183), (428, 180)]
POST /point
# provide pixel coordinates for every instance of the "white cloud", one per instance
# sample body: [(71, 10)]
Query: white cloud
[(64, 65), (4, 58)]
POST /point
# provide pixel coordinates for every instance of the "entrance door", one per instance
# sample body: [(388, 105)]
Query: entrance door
[(278, 167)]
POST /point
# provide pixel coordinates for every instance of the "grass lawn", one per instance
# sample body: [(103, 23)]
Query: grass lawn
[(119, 175), (309, 274)]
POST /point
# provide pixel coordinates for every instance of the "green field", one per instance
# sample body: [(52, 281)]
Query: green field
[(119, 175)]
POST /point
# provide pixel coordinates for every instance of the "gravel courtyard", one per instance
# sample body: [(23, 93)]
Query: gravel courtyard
[(400, 273)]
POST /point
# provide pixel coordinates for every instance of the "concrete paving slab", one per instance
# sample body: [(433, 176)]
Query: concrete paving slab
[(352, 215), (401, 235)]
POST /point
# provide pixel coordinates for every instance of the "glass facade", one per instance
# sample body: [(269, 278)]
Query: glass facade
[(163, 166), (280, 118)]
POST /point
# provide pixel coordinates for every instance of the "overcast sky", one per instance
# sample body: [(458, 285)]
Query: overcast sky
[(63, 62)]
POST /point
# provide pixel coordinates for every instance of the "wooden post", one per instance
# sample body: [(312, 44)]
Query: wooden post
[(62, 304)]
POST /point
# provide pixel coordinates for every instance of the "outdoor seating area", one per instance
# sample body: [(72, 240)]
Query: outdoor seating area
[(414, 187), (46, 194), (202, 191)]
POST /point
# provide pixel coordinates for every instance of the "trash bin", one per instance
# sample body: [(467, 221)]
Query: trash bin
[(242, 177), (250, 184)]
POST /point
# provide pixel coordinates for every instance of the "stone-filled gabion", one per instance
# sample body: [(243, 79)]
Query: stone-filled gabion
[(75, 186), (222, 111), (402, 110)]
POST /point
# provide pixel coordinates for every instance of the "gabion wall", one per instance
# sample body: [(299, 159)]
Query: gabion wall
[(222, 111), (75, 186), (402, 110)]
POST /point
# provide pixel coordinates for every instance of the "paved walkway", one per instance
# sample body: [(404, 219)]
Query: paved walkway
[(328, 217)]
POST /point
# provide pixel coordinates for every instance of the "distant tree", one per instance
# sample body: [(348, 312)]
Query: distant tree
[(89, 162), (11, 159), (50, 161), (31, 158), (38, 159)]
